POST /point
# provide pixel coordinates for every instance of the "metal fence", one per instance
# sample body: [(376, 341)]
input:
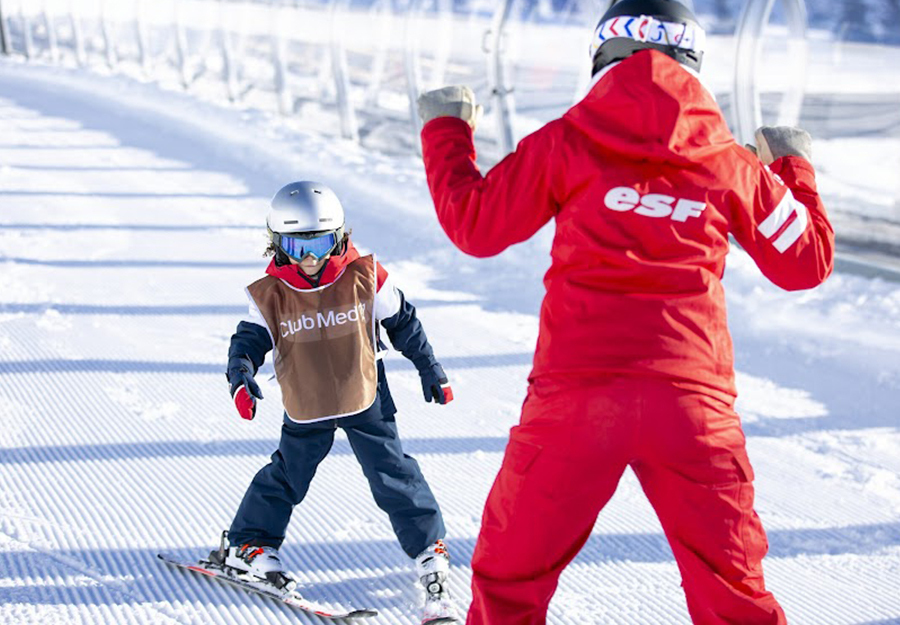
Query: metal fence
[(365, 61), (354, 68)]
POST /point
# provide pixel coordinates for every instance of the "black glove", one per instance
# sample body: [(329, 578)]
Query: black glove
[(435, 385), (244, 388)]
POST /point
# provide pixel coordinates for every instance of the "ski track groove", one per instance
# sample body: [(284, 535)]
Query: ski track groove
[(114, 588)]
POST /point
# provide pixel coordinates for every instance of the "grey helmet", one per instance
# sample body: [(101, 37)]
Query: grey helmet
[(309, 211)]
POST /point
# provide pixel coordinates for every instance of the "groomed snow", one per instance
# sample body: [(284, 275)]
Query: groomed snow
[(131, 218)]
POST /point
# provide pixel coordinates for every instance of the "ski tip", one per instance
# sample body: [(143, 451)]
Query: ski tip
[(170, 558), (363, 613)]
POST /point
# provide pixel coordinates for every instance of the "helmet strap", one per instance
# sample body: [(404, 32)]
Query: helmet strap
[(317, 278), (281, 259)]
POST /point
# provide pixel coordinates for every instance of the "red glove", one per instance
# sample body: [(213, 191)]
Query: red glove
[(435, 385), (244, 388), (245, 403), (447, 393)]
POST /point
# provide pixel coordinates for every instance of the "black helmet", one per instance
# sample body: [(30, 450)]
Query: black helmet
[(633, 25)]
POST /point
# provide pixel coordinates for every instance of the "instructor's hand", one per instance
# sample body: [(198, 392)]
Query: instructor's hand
[(244, 389), (774, 142), (457, 101)]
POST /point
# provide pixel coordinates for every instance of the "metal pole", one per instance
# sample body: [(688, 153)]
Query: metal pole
[(749, 39), (444, 36), (349, 127), (52, 44), (411, 67), (798, 51), (181, 46), (77, 36), (4, 34), (26, 32), (499, 92), (279, 61), (108, 43), (143, 40), (228, 60), (383, 24)]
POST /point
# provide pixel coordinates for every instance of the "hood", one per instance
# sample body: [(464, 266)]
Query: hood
[(650, 108), (336, 264)]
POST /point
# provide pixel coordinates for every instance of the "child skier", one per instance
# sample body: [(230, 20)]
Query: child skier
[(317, 307)]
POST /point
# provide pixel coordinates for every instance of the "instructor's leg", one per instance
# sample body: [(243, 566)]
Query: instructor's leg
[(561, 466), (265, 511), (695, 471), (397, 484)]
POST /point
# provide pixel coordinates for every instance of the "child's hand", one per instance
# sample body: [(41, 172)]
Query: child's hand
[(244, 388), (245, 403), (435, 385)]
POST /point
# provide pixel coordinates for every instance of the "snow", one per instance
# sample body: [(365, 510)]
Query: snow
[(131, 218)]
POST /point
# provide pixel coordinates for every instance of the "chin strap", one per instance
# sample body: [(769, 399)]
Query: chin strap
[(313, 280), (281, 259)]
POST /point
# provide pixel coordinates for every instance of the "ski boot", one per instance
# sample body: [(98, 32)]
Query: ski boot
[(433, 568), (252, 562)]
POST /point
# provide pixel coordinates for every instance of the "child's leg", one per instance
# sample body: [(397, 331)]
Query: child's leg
[(397, 484), (265, 511)]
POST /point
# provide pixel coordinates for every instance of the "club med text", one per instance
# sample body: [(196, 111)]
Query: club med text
[(323, 320)]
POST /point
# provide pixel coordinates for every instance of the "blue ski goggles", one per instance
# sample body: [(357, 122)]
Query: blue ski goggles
[(299, 246)]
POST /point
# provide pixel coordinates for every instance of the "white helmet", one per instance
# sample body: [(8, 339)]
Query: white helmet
[(306, 219)]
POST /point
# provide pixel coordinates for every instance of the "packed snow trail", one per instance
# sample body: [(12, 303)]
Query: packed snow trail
[(130, 221)]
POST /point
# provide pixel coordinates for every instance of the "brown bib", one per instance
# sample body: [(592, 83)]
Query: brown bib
[(324, 342)]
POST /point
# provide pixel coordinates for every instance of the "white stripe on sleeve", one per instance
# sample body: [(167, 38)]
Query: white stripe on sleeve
[(254, 316), (387, 300), (788, 206)]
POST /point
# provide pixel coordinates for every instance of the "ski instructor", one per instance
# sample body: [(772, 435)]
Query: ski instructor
[(634, 363)]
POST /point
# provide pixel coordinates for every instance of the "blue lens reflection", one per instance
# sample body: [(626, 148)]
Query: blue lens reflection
[(298, 248)]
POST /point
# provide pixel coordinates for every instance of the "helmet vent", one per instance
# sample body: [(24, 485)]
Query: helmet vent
[(317, 191), (292, 221), (295, 192)]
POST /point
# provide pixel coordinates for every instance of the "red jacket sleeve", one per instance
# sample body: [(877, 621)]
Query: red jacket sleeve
[(785, 228), (483, 215)]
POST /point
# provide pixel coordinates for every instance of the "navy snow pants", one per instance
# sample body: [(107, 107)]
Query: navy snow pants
[(397, 484)]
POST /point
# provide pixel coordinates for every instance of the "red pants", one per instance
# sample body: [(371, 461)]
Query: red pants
[(561, 467)]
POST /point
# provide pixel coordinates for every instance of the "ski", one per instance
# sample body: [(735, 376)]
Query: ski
[(444, 616), (291, 598)]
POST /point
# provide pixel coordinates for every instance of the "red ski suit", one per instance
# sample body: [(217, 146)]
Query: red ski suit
[(634, 363)]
